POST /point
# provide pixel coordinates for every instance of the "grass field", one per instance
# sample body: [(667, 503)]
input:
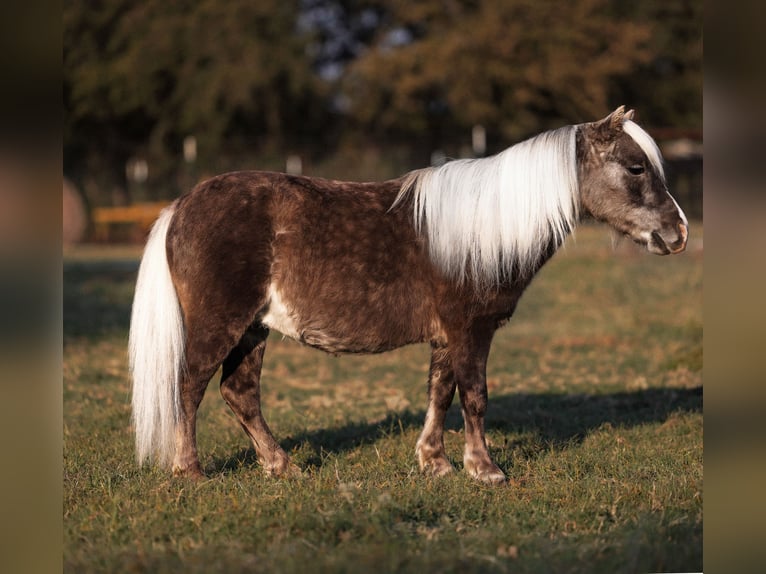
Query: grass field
[(595, 415)]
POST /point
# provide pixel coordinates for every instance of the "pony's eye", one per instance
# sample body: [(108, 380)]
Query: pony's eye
[(636, 169)]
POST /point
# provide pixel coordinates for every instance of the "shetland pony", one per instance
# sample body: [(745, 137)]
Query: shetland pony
[(441, 255)]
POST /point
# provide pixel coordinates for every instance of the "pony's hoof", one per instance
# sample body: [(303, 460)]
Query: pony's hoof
[(492, 478), (282, 469), (437, 467), (488, 473), (292, 471), (193, 472)]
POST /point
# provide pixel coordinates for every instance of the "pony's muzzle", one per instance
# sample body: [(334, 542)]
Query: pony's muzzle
[(662, 246)]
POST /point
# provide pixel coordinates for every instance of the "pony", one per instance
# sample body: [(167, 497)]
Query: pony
[(441, 255)]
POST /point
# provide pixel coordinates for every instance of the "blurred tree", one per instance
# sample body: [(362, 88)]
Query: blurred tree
[(340, 31), (667, 88), (516, 65), (141, 76)]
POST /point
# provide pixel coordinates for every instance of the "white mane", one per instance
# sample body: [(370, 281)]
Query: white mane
[(491, 219), (647, 145)]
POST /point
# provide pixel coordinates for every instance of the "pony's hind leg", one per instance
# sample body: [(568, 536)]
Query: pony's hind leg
[(204, 355), (241, 389), (441, 389), (219, 251), (209, 340), (186, 460)]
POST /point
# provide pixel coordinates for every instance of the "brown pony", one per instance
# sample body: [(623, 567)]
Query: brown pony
[(441, 255)]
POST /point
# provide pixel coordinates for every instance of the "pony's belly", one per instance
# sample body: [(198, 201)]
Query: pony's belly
[(337, 327)]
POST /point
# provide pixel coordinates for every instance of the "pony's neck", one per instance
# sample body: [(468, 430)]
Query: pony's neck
[(491, 219)]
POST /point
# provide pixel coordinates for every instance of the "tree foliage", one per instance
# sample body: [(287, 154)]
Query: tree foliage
[(276, 76), (669, 83), (152, 72), (516, 65)]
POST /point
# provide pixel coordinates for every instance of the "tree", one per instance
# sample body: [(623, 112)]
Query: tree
[(666, 88), (516, 65), (142, 76)]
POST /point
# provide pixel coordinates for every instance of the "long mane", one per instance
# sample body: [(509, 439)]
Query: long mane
[(491, 219)]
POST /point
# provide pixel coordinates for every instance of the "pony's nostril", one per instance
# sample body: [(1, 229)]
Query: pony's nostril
[(684, 229), (658, 245), (680, 245)]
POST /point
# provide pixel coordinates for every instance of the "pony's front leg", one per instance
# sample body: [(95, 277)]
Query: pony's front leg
[(441, 389), (470, 364)]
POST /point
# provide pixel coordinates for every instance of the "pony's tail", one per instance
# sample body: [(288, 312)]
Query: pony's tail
[(156, 350)]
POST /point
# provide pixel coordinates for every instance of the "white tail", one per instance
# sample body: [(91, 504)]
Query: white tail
[(156, 350)]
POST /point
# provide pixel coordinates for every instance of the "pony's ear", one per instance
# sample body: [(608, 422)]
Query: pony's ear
[(629, 115), (616, 119), (611, 125)]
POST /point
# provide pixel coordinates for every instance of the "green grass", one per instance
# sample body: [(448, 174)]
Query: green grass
[(595, 415)]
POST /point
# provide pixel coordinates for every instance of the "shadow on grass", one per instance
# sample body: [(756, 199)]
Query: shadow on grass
[(559, 420)]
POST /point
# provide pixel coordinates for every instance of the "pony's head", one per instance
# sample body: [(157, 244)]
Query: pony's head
[(622, 183)]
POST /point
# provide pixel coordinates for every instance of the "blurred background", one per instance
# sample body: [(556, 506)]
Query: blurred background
[(159, 95)]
